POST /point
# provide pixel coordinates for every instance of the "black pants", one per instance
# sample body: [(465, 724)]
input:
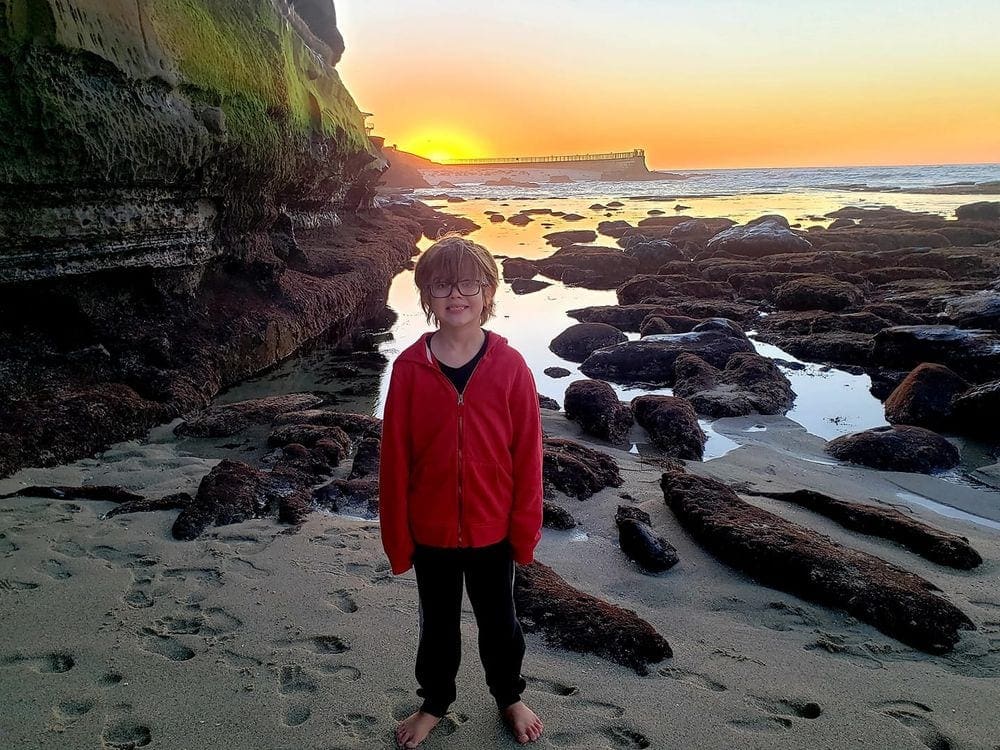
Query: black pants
[(489, 579)]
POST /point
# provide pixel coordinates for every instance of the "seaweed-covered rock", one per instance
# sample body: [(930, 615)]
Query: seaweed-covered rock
[(652, 254), (579, 341), (570, 237), (640, 543), (749, 383), (574, 620), (924, 397), (672, 425), (518, 268), (594, 405), (366, 458), (592, 266), (979, 211), (817, 293), (765, 236), (792, 558), (896, 448), (575, 469), (554, 516), (888, 523), (350, 497), (227, 419)]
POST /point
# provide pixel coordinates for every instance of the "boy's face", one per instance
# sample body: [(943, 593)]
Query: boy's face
[(457, 310)]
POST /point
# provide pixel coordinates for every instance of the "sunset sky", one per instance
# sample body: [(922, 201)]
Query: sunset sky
[(712, 83)]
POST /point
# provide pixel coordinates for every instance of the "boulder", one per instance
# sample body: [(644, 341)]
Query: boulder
[(594, 405), (748, 384), (640, 287), (655, 325), (623, 317), (698, 231), (756, 239), (672, 425), (817, 293), (570, 237), (574, 620), (518, 268), (896, 448), (924, 398), (979, 211), (579, 341), (652, 254), (977, 410), (575, 469), (974, 354), (592, 266), (555, 516), (792, 558), (640, 543), (528, 286), (615, 228), (650, 360), (978, 310), (556, 372)]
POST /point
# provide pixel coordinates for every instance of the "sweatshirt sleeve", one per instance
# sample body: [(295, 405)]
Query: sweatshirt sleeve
[(526, 450), (394, 477)]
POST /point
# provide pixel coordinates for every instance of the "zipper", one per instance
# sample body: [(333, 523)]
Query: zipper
[(461, 430)]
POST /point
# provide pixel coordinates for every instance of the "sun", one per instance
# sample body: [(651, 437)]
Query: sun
[(443, 143)]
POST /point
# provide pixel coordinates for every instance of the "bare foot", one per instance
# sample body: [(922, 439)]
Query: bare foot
[(413, 730), (523, 722)]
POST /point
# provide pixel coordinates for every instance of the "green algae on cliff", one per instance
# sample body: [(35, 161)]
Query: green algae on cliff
[(120, 119)]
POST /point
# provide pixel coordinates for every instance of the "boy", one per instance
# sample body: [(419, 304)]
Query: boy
[(460, 481)]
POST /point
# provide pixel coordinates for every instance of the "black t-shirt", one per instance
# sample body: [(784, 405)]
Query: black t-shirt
[(460, 375)]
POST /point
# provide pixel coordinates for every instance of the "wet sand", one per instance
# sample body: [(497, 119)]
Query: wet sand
[(251, 636)]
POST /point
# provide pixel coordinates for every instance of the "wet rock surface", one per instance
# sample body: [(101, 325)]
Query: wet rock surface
[(579, 341), (925, 396), (651, 359), (554, 516), (640, 543), (764, 236), (792, 558), (747, 384), (896, 448), (888, 523), (672, 425), (594, 405), (228, 419), (572, 619)]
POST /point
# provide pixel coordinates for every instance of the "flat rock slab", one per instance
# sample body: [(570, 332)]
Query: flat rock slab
[(792, 558), (888, 523), (651, 360), (228, 419), (574, 620)]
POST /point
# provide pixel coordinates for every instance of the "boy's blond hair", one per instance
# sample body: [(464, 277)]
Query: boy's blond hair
[(453, 258)]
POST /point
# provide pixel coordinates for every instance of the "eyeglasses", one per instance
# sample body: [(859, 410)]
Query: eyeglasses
[(466, 287)]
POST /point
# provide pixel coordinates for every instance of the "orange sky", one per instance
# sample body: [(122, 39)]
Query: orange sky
[(722, 83)]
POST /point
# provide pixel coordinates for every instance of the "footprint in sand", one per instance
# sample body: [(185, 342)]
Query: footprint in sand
[(7, 547), (838, 646), (761, 724), (357, 726), (110, 679), (242, 662), (553, 688), (55, 569), (247, 569), (126, 734), (608, 738), (6, 584), (165, 646), (54, 663), (344, 601), (791, 707), (692, 678), (915, 717), (293, 679), (68, 548), (296, 715), (72, 709)]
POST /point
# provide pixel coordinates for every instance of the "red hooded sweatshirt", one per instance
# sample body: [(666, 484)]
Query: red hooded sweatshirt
[(460, 470)]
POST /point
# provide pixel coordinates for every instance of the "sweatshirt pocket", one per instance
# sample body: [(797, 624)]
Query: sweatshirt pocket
[(488, 493)]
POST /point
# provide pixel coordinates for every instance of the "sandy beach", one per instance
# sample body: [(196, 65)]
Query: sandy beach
[(266, 636)]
